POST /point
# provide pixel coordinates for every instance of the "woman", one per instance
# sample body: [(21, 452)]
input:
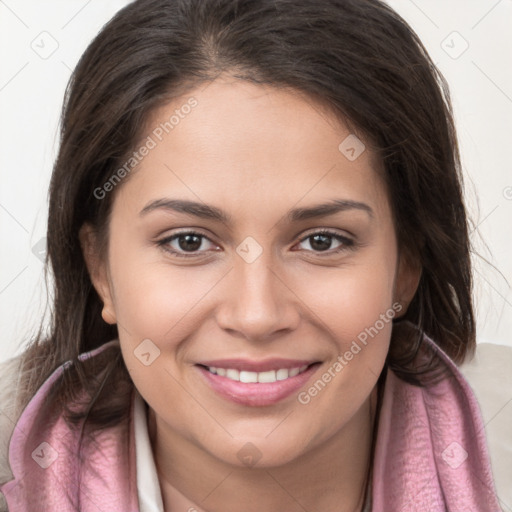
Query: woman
[(262, 272)]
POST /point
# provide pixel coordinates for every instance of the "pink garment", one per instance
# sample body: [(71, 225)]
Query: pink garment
[(44, 460), (431, 454)]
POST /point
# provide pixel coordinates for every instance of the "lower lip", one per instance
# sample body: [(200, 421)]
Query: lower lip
[(257, 394)]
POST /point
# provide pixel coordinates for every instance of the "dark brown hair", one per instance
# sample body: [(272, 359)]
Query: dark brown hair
[(357, 57)]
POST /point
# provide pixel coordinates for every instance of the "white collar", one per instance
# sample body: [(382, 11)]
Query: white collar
[(148, 485)]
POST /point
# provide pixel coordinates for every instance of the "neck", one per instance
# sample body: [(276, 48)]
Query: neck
[(331, 477)]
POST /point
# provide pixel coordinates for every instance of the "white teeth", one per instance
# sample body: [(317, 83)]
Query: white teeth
[(293, 371), (248, 376), (267, 376), (263, 377), (233, 374), (282, 374)]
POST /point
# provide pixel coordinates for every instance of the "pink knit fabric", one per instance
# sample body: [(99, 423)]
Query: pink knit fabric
[(431, 452), (44, 459), (431, 455)]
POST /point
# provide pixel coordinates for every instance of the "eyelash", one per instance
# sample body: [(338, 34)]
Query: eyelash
[(347, 243)]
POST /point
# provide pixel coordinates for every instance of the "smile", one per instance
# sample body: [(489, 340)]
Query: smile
[(257, 384), (246, 376)]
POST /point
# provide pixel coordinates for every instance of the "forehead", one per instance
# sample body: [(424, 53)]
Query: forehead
[(248, 147)]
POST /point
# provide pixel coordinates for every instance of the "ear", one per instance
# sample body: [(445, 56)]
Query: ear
[(407, 279), (98, 271)]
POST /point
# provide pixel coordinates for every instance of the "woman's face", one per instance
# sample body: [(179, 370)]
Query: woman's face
[(256, 291)]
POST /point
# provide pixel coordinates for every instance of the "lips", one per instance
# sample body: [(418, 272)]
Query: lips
[(256, 383)]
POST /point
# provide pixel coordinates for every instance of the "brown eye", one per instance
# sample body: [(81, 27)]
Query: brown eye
[(322, 241), (189, 242), (186, 242)]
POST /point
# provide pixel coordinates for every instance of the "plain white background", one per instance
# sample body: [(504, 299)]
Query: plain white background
[(469, 40)]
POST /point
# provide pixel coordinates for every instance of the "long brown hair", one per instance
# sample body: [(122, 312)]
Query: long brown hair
[(357, 57)]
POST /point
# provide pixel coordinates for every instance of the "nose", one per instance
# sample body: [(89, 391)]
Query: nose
[(258, 303)]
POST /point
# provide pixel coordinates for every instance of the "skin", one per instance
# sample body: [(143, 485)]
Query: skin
[(255, 152)]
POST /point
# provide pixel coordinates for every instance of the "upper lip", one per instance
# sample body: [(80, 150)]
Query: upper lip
[(257, 366)]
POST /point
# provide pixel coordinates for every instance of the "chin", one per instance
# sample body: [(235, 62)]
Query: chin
[(257, 453)]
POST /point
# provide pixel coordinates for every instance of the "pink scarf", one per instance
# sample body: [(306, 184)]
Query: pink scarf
[(431, 454)]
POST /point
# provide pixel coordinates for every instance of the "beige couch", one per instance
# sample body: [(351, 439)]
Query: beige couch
[(490, 376)]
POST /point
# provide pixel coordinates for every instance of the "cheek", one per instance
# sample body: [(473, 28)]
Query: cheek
[(351, 298), (152, 297), (155, 308), (359, 316), (356, 305)]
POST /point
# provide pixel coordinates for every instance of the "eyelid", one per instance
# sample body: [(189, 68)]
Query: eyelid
[(163, 242), (327, 231), (347, 242)]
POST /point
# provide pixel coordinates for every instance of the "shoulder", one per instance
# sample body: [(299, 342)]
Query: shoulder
[(489, 373), (9, 413), (13, 381)]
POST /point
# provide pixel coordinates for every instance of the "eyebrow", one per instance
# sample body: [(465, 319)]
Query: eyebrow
[(209, 212)]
